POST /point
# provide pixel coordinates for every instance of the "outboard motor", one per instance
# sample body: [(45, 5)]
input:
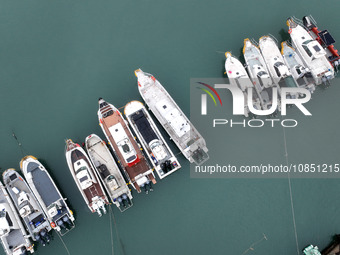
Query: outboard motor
[(148, 184), (67, 220), (60, 223), (23, 251), (143, 186), (126, 198), (163, 167), (38, 238), (336, 65), (307, 22), (120, 200), (44, 235), (168, 165)]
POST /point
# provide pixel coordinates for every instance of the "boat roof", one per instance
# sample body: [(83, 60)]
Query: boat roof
[(326, 38), (43, 183)]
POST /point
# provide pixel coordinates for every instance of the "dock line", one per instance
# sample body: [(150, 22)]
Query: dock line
[(18, 142), (290, 192), (61, 239)]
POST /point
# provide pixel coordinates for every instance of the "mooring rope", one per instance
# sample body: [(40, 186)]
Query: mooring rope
[(117, 234), (110, 209), (291, 193), (61, 239), (252, 246), (19, 143)]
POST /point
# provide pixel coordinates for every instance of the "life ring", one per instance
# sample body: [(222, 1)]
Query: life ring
[(290, 31), (53, 224)]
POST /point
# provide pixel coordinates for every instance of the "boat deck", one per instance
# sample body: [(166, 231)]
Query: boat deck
[(142, 166), (95, 189), (100, 155), (46, 189), (43, 184), (15, 238)]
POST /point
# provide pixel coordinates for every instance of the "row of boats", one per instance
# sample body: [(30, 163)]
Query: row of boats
[(31, 208), (309, 60), (135, 148)]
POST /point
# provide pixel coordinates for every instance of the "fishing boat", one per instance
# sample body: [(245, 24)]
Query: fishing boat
[(171, 117), (158, 151), (311, 250), (259, 73), (44, 189), (311, 53), (301, 74), (325, 39), (125, 147), (28, 206), (13, 236), (278, 70), (85, 178), (238, 76), (108, 172)]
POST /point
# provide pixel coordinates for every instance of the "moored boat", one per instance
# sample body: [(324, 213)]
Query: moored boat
[(301, 74), (85, 177), (51, 201), (259, 73), (171, 117), (325, 39), (311, 250), (125, 147), (311, 53), (28, 206), (158, 151), (108, 172), (13, 236), (278, 70)]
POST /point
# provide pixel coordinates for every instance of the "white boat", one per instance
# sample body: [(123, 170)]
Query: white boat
[(13, 236), (311, 52), (325, 39), (301, 74), (44, 189), (125, 146), (259, 73), (277, 68), (108, 172), (171, 117), (238, 76), (28, 206), (85, 177), (158, 151)]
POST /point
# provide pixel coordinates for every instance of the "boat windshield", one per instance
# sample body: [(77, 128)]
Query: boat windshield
[(2, 214), (81, 169), (126, 148)]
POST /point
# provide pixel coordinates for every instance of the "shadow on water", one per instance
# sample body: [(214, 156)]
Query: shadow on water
[(241, 56), (284, 35), (122, 246)]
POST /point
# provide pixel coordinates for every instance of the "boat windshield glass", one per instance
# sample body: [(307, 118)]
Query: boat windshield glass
[(102, 105), (309, 53), (81, 169), (82, 179)]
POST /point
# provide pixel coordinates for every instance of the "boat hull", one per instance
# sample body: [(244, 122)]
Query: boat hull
[(158, 151), (108, 172), (53, 204)]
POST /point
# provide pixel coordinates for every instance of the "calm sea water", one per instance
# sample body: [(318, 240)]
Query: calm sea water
[(58, 57)]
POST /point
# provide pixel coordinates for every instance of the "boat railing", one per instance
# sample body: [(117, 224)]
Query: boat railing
[(253, 41), (273, 37), (299, 21), (312, 19)]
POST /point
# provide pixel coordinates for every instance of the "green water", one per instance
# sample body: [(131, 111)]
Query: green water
[(58, 57)]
